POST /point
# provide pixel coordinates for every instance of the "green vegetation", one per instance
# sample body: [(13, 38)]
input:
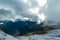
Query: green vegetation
[(16, 33), (42, 30)]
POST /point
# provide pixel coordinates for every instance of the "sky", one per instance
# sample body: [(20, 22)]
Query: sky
[(22, 9), (36, 10), (53, 10)]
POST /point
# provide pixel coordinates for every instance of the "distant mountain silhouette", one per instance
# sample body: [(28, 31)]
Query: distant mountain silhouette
[(20, 26)]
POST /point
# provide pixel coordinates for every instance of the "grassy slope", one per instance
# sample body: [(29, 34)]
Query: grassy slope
[(41, 30)]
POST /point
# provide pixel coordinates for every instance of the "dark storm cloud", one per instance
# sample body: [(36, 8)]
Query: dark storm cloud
[(16, 8), (4, 12), (20, 8)]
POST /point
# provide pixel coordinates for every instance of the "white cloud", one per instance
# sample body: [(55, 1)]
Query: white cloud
[(34, 10), (25, 1), (42, 17), (41, 3), (21, 9), (1, 23)]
